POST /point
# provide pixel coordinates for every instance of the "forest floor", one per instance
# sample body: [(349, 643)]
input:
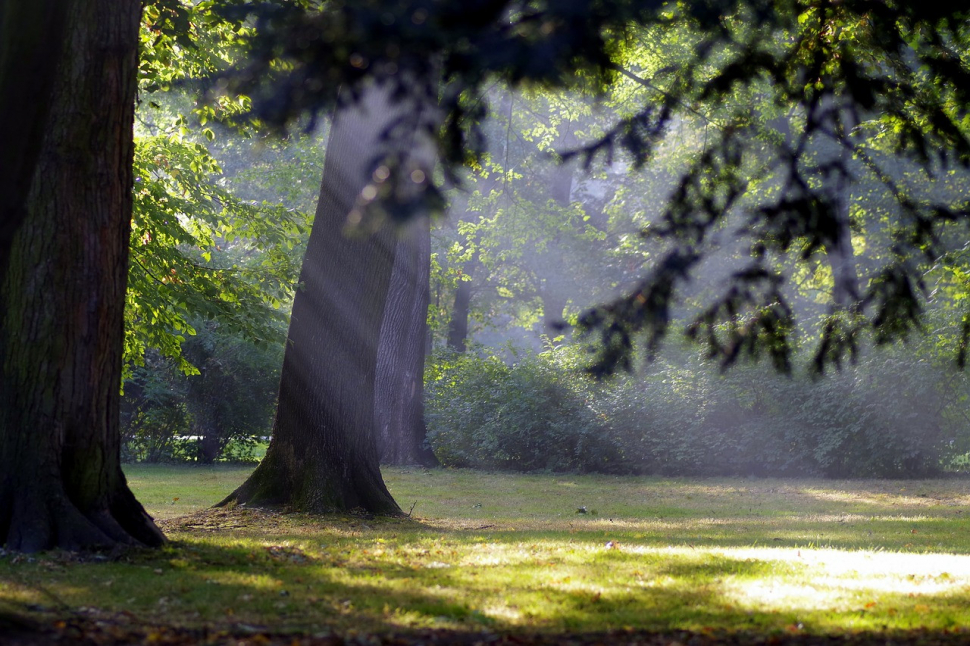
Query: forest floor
[(501, 558)]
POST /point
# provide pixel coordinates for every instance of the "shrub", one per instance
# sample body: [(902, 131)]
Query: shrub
[(535, 414), (894, 414)]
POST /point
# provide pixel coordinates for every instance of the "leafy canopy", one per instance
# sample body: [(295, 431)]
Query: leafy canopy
[(809, 97)]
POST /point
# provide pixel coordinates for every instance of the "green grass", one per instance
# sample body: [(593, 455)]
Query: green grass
[(168, 491), (510, 552)]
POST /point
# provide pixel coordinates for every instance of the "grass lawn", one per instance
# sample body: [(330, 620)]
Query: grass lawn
[(501, 553)]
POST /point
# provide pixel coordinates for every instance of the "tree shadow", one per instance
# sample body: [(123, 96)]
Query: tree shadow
[(264, 571)]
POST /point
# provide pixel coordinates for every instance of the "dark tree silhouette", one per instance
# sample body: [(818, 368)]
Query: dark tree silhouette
[(61, 324), (31, 47)]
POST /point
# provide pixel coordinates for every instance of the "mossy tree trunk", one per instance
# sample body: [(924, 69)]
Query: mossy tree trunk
[(324, 455), (61, 319)]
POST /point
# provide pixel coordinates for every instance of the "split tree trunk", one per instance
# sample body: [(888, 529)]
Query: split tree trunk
[(399, 396), (323, 456), (61, 320)]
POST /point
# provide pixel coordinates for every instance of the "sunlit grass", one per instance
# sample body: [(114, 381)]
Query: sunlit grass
[(168, 491), (505, 552)]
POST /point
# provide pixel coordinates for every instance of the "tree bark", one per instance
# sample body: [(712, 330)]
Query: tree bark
[(61, 323), (323, 456), (842, 261), (399, 397)]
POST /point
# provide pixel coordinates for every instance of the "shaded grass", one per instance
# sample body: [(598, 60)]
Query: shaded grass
[(506, 552)]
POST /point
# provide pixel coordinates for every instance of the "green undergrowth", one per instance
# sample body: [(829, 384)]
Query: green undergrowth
[(500, 553)]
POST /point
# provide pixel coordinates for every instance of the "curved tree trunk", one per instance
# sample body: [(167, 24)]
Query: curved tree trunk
[(399, 396), (61, 323), (323, 455)]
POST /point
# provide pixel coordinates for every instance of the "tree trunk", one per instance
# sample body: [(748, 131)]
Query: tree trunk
[(553, 289), (202, 402), (458, 326), (839, 253), (323, 456), (554, 301), (842, 261), (399, 397), (561, 182), (61, 324)]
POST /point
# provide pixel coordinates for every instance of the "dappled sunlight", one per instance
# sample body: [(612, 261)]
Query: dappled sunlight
[(500, 552)]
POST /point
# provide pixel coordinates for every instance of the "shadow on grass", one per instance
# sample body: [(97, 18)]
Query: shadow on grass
[(255, 571)]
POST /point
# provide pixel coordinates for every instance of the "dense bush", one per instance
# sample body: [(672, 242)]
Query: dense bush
[(219, 414), (892, 415), (536, 414)]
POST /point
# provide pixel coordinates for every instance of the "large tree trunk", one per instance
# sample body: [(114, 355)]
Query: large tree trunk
[(61, 323), (323, 456), (31, 48), (399, 397)]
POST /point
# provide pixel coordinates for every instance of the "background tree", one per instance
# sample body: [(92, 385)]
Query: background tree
[(323, 455), (399, 385)]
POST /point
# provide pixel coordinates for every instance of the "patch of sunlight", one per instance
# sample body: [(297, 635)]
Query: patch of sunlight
[(834, 577), (568, 584), (241, 578), (855, 518), (20, 594), (881, 499), (499, 554), (502, 611), (486, 559)]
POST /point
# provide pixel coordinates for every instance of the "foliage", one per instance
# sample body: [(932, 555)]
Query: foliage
[(862, 92), (891, 415), (219, 413), (531, 415), (880, 418), (153, 413), (802, 98), (198, 251)]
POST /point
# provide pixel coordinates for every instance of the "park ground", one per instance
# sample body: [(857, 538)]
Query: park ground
[(548, 558)]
